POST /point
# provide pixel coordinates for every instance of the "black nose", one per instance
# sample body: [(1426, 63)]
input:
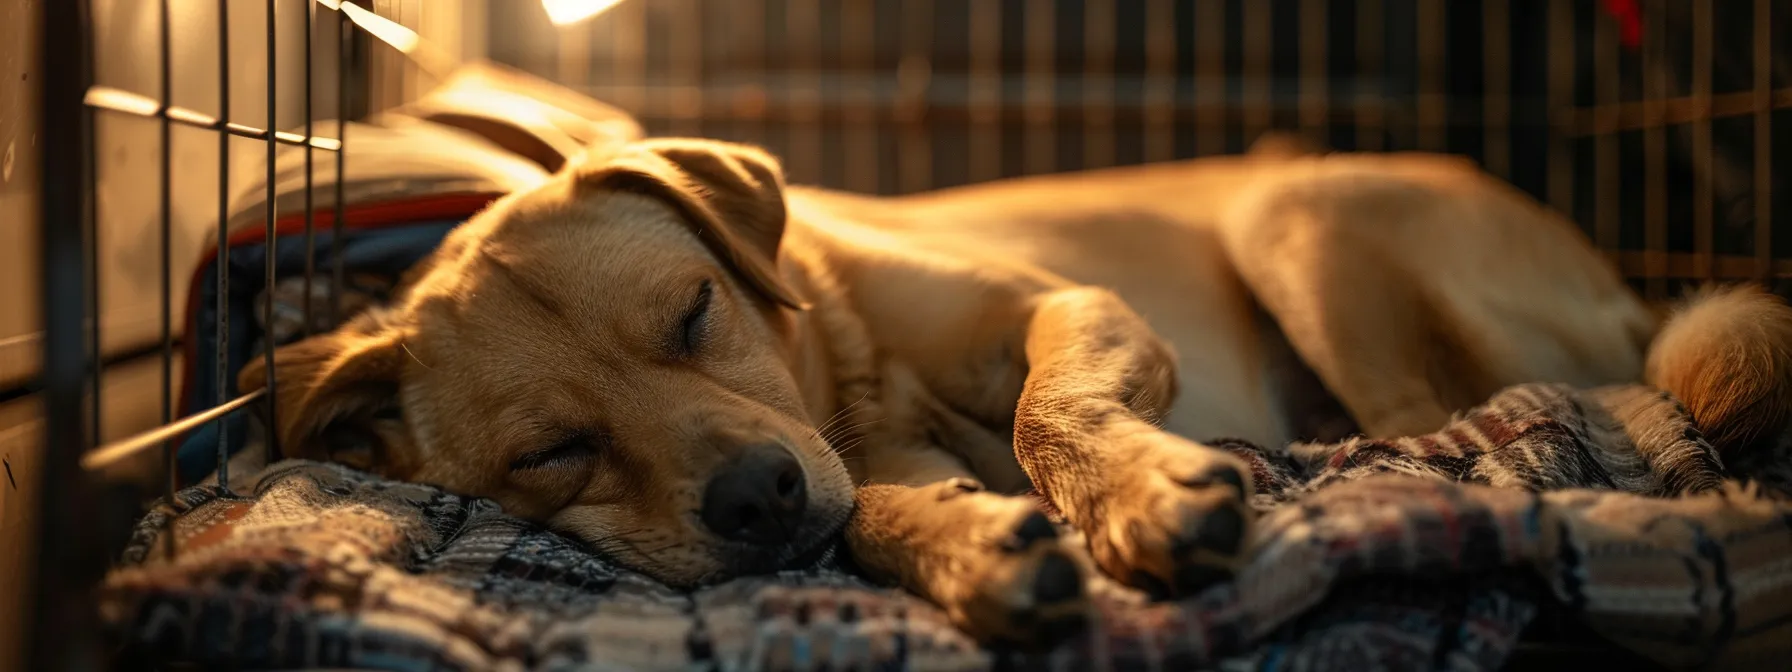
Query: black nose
[(757, 498)]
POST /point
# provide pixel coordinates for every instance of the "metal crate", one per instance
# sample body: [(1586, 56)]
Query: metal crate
[(1652, 124)]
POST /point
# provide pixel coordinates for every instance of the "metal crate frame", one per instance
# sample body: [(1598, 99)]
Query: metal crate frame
[(77, 508), (1193, 100)]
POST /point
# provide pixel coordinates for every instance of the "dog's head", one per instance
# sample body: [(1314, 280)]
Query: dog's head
[(614, 354)]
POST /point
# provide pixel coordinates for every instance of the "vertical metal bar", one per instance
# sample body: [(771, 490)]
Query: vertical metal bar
[(1432, 110), (609, 37), (914, 79), (96, 372), (572, 53), (399, 70), (171, 474), (1041, 152), (985, 152), (1315, 84), (1561, 40), (405, 13), (749, 98), (306, 311), (1763, 139), (1212, 100), (803, 28), (629, 60), (694, 41), (687, 67), (222, 337), (859, 39), (1497, 65), (345, 33), (1369, 117), (64, 561), (1098, 83), (1703, 201), (379, 71), (1655, 163), (272, 245), (1258, 94), (394, 71), (1160, 80), (1605, 147)]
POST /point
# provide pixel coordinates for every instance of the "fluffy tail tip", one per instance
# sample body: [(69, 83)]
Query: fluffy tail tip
[(1727, 354)]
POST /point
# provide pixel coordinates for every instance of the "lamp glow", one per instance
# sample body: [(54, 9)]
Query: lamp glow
[(401, 38), (569, 12)]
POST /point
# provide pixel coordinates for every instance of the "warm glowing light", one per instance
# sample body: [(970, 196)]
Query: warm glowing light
[(401, 38), (185, 115), (406, 41), (568, 12), (105, 97)]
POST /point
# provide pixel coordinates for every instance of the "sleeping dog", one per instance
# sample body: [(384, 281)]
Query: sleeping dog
[(671, 355)]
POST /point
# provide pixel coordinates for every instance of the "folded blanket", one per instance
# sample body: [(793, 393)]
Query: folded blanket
[(486, 129), (526, 115), (1611, 509)]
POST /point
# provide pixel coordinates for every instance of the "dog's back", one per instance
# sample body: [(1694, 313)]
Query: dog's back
[(1490, 287)]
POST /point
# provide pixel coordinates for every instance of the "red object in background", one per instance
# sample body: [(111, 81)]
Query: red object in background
[(1630, 21)]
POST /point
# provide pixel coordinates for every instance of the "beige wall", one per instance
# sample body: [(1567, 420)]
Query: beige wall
[(18, 216)]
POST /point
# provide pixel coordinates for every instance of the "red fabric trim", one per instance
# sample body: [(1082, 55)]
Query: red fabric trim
[(381, 215), (1630, 21)]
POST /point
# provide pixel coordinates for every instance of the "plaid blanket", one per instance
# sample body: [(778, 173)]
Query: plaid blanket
[(1604, 508)]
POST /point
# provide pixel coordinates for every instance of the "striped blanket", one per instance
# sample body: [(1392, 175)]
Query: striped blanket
[(1547, 509)]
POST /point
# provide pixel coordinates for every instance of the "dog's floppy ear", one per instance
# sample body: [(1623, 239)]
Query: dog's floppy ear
[(336, 394), (733, 194)]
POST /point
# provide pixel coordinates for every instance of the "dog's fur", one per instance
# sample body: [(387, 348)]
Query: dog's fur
[(928, 357)]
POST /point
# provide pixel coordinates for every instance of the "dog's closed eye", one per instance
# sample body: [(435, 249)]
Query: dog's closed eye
[(573, 449), (695, 325)]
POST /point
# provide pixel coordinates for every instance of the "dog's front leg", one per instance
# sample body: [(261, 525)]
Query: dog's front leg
[(1161, 512), (994, 563)]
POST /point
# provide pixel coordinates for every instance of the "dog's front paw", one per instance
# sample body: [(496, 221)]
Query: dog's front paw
[(1029, 590), (1175, 520), (996, 565)]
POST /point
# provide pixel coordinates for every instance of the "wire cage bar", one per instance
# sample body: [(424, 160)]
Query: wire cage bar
[(79, 509), (64, 504), (223, 230), (1653, 125)]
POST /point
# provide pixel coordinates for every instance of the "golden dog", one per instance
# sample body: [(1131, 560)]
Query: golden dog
[(667, 353)]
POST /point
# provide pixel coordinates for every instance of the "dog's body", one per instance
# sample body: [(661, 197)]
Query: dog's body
[(578, 355), (1345, 253)]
